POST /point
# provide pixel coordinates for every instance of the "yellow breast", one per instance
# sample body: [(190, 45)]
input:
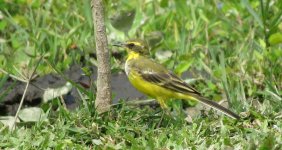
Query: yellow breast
[(144, 86), (131, 55)]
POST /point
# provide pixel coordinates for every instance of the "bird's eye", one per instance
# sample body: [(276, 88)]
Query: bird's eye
[(130, 45)]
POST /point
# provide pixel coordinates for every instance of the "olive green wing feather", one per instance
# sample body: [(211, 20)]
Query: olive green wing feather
[(159, 75)]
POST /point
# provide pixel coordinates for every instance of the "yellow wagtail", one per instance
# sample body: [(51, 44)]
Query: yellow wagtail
[(156, 81)]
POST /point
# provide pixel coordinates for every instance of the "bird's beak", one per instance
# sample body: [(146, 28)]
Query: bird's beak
[(119, 44)]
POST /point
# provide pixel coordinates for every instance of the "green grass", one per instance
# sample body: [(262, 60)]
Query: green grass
[(232, 49), (136, 128)]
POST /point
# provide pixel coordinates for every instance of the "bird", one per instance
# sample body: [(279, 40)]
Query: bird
[(156, 81)]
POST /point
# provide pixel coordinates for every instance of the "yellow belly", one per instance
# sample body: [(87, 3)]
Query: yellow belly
[(154, 91)]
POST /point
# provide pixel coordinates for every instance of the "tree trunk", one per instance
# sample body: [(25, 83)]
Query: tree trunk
[(103, 96)]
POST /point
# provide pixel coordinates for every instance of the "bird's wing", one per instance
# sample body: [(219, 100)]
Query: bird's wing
[(155, 73)]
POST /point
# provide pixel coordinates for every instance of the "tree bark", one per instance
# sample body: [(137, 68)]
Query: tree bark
[(103, 96)]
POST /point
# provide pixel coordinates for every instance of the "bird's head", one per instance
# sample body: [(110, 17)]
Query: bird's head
[(136, 45)]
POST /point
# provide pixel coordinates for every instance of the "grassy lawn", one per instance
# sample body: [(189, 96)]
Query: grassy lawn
[(229, 50)]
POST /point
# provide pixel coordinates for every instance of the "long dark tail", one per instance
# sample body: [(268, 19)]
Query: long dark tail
[(217, 107)]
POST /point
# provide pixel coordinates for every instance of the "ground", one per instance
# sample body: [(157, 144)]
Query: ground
[(230, 51)]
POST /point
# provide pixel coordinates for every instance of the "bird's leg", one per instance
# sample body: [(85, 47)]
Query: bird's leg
[(164, 110), (161, 120)]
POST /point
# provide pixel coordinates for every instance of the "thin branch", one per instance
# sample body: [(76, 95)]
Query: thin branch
[(33, 72), (25, 90), (21, 103), (13, 76), (21, 74)]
